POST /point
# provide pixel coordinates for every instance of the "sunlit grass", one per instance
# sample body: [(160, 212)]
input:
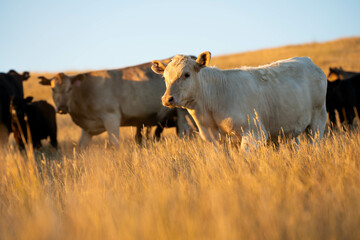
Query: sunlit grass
[(183, 189)]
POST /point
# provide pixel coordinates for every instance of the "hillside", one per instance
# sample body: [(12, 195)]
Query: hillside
[(342, 52)]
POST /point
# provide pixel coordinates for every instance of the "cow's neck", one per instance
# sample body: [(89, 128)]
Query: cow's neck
[(345, 75), (212, 84)]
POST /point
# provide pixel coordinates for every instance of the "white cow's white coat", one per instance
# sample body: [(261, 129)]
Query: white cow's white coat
[(284, 98)]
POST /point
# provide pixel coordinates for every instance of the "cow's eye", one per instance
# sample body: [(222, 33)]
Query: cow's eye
[(186, 75)]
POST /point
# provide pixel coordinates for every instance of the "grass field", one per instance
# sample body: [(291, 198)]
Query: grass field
[(185, 189)]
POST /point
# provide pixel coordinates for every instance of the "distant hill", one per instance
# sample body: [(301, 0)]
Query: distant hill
[(343, 52)]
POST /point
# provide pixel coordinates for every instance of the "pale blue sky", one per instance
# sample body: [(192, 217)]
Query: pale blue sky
[(46, 35)]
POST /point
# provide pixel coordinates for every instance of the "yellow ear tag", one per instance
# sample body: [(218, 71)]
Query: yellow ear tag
[(52, 83)]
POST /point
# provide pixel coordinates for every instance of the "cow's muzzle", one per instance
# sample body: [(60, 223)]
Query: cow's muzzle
[(168, 101), (63, 110)]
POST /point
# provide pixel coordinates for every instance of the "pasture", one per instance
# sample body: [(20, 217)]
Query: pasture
[(184, 188)]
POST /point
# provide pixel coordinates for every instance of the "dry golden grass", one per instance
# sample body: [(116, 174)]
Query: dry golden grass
[(183, 189)]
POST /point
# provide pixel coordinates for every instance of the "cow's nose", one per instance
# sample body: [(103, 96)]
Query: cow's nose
[(63, 110), (168, 101)]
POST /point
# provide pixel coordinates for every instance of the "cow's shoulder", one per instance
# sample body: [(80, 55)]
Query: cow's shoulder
[(141, 72)]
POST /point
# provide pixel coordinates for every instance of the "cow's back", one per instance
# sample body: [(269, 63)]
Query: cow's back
[(134, 93), (285, 94), (42, 119), (294, 92)]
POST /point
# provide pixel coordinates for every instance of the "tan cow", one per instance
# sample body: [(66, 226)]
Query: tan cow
[(101, 101), (284, 98)]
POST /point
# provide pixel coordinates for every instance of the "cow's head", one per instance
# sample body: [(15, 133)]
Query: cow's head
[(181, 79), (61, 86), (18, 81), (20, 77), (335, 73)]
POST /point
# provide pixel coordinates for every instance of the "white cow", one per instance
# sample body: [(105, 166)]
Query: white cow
[(255, 104)]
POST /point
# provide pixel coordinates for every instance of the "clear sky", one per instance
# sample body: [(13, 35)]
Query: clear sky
[(47, 35)]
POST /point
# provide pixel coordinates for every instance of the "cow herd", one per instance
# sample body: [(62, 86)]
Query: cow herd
[(251, 105), (22, 116)]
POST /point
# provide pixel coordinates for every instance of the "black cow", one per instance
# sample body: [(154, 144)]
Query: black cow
[(340, 73), (41, 121), (343, 94), (11, 86)]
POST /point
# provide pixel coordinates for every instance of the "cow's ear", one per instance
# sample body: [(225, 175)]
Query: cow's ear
[(62, 75), (203, 59), (76, 80), (44, 81), (13, 72), (158, 67), (26, 76), (28, 99)]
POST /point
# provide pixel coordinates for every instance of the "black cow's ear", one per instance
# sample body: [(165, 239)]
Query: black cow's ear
[(13, 72), (25, 76), (28, 99), (44, 81)]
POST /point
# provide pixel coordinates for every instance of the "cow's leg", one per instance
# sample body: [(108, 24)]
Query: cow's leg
[(37, 143), (138, 135), (341, 115), (317, 125), (183, 128), (4, 134), (209, 134), (148, 132), (53, 139), (332, 117), (112, 125), (350, 113), (254, 138), (84, 139), (159, 129)]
